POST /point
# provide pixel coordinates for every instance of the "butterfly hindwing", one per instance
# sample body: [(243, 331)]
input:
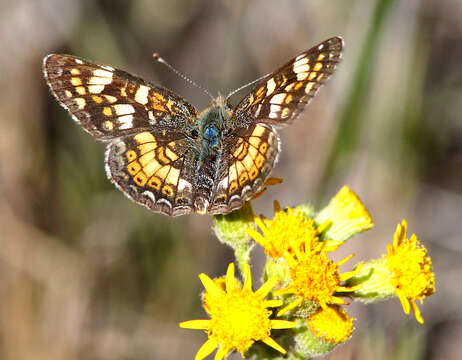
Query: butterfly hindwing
[(154, 169), (246, 163), (280, 97), (110, 103)]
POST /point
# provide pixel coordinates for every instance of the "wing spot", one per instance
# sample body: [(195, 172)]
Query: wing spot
[(107, 111), (321, 57), (103, 73), (302, 76), (76, 81), (68, 93), (170, 154), (124, 109), (108, 125), (233, 187), (263, 147), (125, 122), (80, 103), (167, 190), (75, 71), (110, 98), (317, 67), (134, 167), (259, 161), (173, 175), (253, 173), (270, 86), (285, 113), (152, 167), (155, 182), (243, 178), (147, 147), (308, 87), (145, 137), (95, 89), (78, 61), (278, 99), (300, 62), (302, 68), (123, 92), (146, 159), (298, 85), (141, 95), (140, 178), (312, 76), (80, 90), (152, 119), (131, 155), (288, 99), (97, 99)]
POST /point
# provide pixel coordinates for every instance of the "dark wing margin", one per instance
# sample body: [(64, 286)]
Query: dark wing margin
[(280, 97), (110, 103)]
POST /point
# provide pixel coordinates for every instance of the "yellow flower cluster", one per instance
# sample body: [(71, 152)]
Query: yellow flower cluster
[(305, 284)]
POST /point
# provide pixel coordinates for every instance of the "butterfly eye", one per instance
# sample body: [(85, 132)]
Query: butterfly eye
[(194, 134)]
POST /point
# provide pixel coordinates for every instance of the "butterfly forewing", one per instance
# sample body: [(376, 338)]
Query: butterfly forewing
[(280, 97), (109, 103)]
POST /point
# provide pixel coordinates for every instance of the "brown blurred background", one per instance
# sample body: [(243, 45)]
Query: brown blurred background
[(87, 274)]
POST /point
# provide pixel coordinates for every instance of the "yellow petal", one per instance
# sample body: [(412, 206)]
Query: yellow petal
[(270, 342), (266, 288), (221, 353), (230, 280), (206, 349), (282, 324), (416, 310), (248, 278), (273, 303), (289, 307), (195, 324), (210, 286)]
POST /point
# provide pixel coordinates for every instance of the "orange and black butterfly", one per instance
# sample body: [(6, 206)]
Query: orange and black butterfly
[(165, 155)]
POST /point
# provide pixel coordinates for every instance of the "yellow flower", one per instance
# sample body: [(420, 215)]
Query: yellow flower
[(315, 278), (287, 231), (238, 315), (411, 269), (332, 324), (347, 214)]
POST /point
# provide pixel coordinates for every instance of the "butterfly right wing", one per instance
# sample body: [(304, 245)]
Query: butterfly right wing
[(110, 103)]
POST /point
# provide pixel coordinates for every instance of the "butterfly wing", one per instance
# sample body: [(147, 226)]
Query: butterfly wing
[(110, 103), (246, 163), (154, 169), (280, 97)]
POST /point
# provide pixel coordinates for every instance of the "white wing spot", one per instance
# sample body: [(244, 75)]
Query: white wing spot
[(80, 103), (278, 99), (141, 95), (126, 122), (103, 73), (78, 61), (302, 61), (270, 85), (95, 89), (124, 109), (302, 76), (100, 80), (301, 68)]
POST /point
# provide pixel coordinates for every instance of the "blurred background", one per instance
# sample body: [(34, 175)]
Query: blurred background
[(87, 274)]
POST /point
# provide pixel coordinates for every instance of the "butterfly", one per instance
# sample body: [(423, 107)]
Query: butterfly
[(163, 154)]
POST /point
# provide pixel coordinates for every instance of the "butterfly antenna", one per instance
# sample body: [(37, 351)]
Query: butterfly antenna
[(157, 57), (244, 86)]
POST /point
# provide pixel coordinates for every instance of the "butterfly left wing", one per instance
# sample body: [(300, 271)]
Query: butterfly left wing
[(154, 169), (280, 97), (110, 103)]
